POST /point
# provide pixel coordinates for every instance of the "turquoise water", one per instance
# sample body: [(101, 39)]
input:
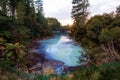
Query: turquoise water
[(62, 48)]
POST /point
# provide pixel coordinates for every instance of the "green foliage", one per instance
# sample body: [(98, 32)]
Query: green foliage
[(5, 65), (110, 34), (15, 51), (100, 38), (85, 74), (80, 31), (109, 71), (20, 20), (9, 76), (94, 28), (54, 24), (11, 54)]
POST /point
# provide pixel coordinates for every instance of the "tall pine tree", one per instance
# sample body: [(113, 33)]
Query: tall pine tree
[(79, 11), (79, 14)]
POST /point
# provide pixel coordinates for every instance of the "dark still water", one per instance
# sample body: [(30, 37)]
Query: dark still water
[(62, 48)]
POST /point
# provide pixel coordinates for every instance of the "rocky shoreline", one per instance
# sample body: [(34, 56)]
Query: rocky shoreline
[(36, 62)]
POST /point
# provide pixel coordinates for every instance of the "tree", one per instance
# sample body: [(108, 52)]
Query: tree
[(94, 27), (118, 11), (79, 14), (79, 11), (109, 38), (54, 24), (3, 4), (19, 20), (13, 6)]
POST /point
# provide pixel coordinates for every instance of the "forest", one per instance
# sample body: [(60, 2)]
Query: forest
[(100, 38), (22, 21)]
